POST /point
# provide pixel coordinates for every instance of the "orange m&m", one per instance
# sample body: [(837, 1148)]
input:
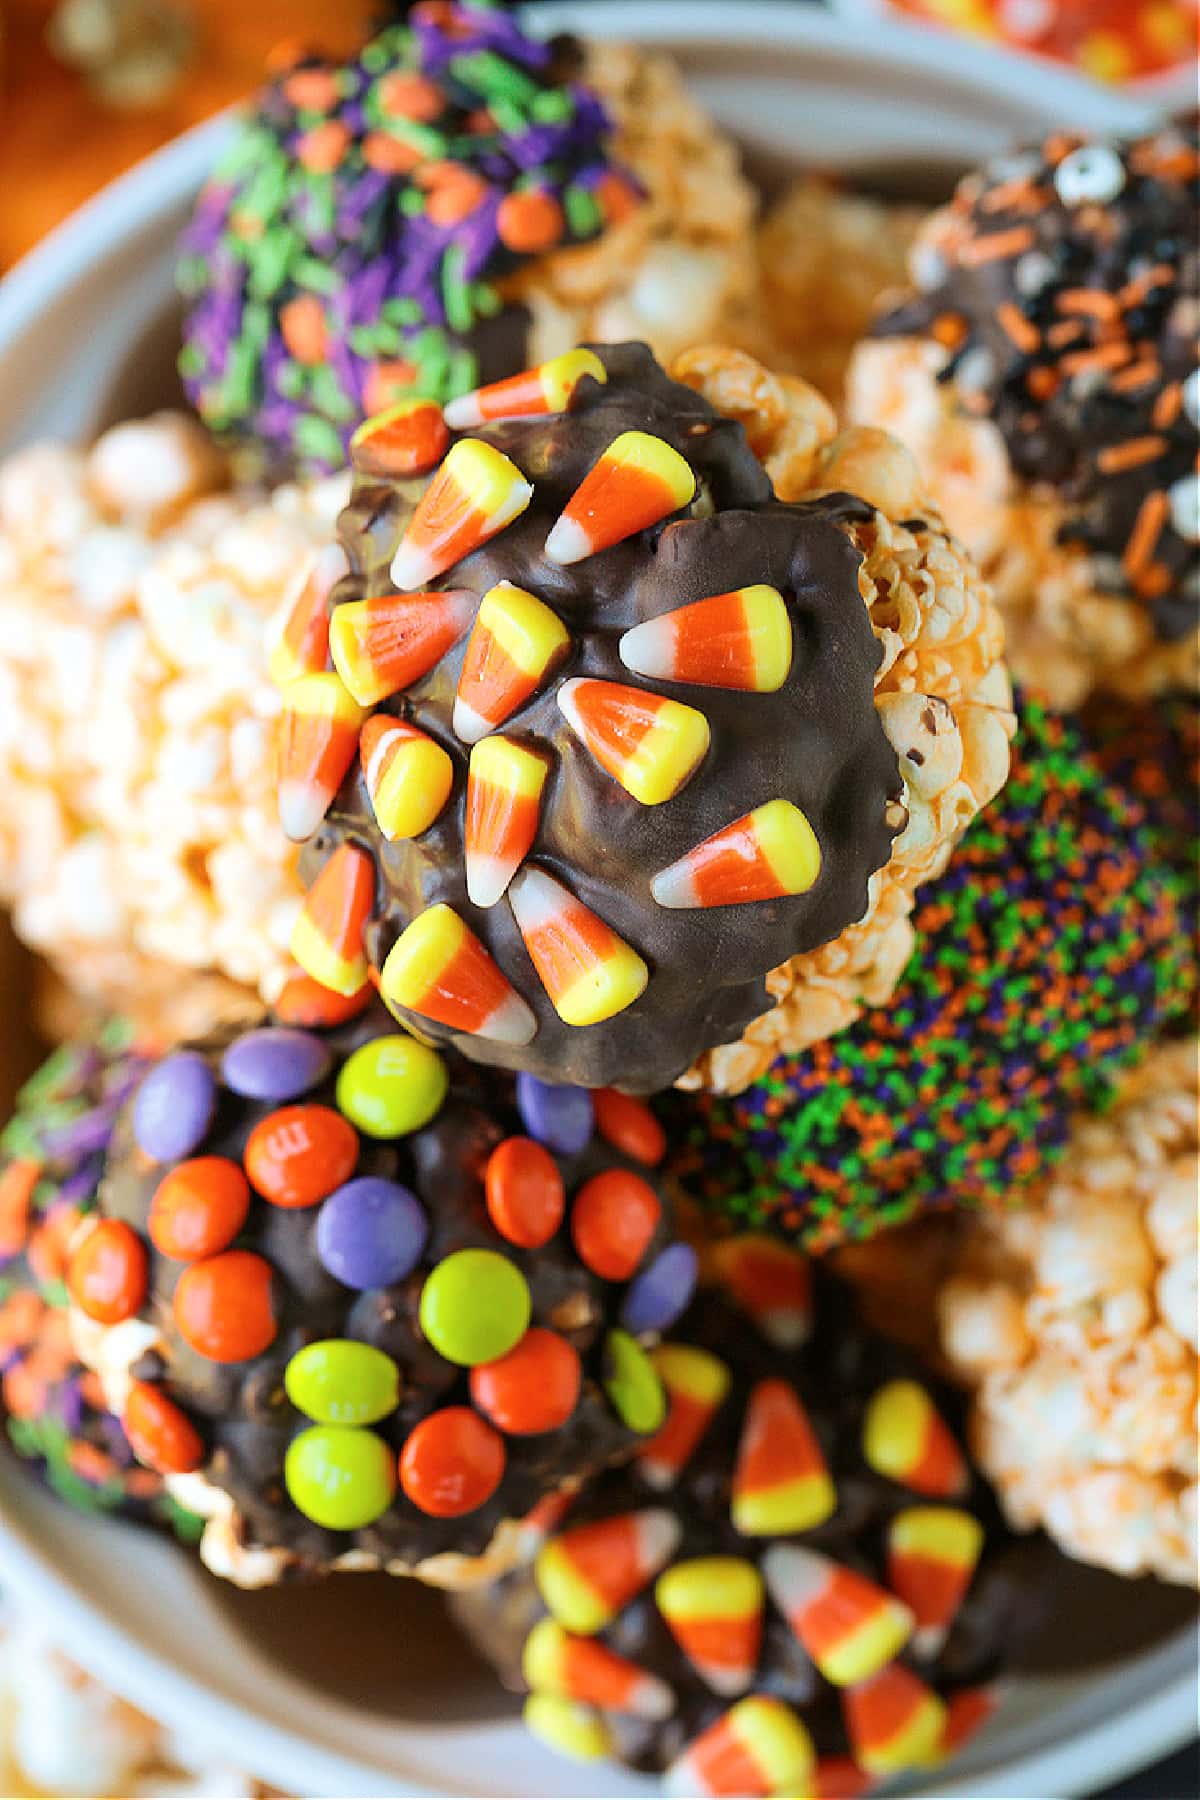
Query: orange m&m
[(160, 1436), (223, 1307), (299, 1154), (451, 1463), (534, 1388), (613, 1220), (629, 1126), (525, 1194), (198, 1208), (107, 1276)]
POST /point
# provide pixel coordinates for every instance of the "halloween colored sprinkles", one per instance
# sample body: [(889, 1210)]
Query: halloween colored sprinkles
[(356, 1343), (342, 259), (1067, 292), (1049, 953), (814, 1656), (51, 1158), (486, 646)]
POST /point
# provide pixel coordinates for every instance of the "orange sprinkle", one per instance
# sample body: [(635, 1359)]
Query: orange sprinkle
[(1136, 376), (1152, 581), (1060, 144), (996, 244), (1152, 516), (949, 330), (1137, 289), (1014, 194), (1166, 407), (1104, 356), (322, 149), (389, 155), (302, 325), (1130, 455), (1043, 383), (1012, 320), (1066, 333), (1088, 300)]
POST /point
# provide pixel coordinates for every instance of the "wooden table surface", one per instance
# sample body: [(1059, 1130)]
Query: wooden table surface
[(58, 143)]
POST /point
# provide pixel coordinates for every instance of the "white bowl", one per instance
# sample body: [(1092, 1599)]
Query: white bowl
[(359, 1687)]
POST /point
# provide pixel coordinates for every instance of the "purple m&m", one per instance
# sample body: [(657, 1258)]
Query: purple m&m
[(275, 1062), (174, 1106), (658, 1296), (562, 1118), (371, 1232)]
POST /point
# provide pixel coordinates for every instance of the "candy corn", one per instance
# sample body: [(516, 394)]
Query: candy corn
[(740, 640), (849, 1627), (515, 643), (566, 1726), (638, 481), (408, 439), (895, 1722), (649, 744), (765, 855), (839, 1778), (546, 389), (932, 1553), (695, 1383), (437, 967), (781, 1483), (589, 1573), (408, 775), (504, 792), (318, 740), (759, 1748), (578, 1668), (303, 645), (476, 493), (905, 1438), (771, 1283), (385, 643), (589, 972), (713, 1608), (327, 940), (967, 1711)]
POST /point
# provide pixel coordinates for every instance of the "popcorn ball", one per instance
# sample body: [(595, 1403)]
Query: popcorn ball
[(455, 202), (798, 1587), (620, 752), (139, 847), (364, 1309), (1074, 1321), (1045, 376), (1047, 956)]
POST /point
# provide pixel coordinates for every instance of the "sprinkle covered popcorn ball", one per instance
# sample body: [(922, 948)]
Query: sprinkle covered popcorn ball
[(1074, 1321), (459, 200), (619, 751), (1045, 375), (365, 1310), (798, 1587)]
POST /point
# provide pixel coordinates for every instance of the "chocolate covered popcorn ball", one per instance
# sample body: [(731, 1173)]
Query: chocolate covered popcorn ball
[(459, 200), (1055, 947), (799, 1586), (365, 1309), (1045, 376), (1073, 1320), (619, 752)]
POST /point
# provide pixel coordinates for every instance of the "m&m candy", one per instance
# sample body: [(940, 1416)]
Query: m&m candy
[(107, 1274), (475, 1306), (392, 1086), (371, 1232), (295, 1156), (198, 1207), (223, 1307), (340, 1477), (451, 1463), (338, 1382)]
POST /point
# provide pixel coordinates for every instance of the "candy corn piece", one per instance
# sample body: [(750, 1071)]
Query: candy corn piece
[(765, 855), (303, 645), (695, 1383), (589, 972), (780, 1483), (541, 1522), (590, 1572), (408, 775), (387, 642), (649, 744), (839, 1778), (759, 1748), (894, 1721), (408, 439), (567, 1726), (515, 643), (504, 793), (967, 1711), (638, 481), (578, 1668), (905, 1438), (438, 968), (932, 1553), (713, 1608), (849, 1627), (476, 493), (740, 640), (771, 1283), (546, 389), (327, 940), (318, 740)]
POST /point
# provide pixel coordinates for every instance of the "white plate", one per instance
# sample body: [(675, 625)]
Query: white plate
[(348, 1703)]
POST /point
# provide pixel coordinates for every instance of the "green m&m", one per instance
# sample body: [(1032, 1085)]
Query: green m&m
[(392, 1086), (475, 1306), (632, 1384), (339, 1382), (339, 1476)]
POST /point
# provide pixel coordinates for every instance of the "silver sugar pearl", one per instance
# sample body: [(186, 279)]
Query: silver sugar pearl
[(1093, 172), (1184, 497)]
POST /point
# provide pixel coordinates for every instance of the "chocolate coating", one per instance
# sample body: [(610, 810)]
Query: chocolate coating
[(242, 1410), (817, 741), (1052, 306)]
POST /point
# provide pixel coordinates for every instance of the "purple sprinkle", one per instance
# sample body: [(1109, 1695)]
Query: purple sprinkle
[(658, 1296), (173, 1106), (275, 1063), (371, 1232)]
